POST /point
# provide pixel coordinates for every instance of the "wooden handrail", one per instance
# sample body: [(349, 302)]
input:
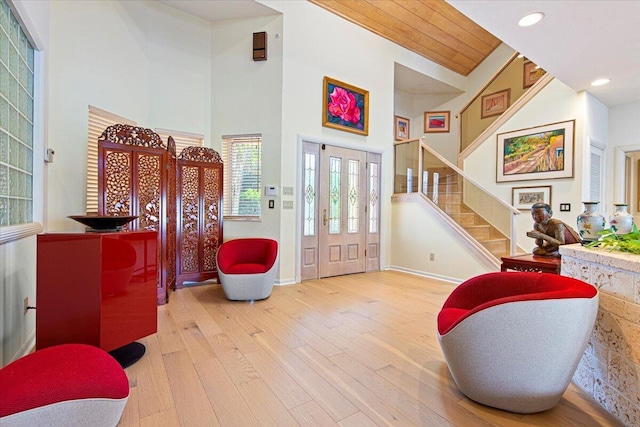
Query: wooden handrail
[(468, 178), (504, 117), (482, 89)]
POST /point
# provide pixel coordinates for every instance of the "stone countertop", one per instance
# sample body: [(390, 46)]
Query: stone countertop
[(614, 259)]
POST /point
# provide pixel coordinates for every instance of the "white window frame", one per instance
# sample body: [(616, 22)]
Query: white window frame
[(21, 231), (227, 142)]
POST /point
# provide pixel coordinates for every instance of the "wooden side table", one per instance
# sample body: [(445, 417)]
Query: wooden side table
[(530, 262)]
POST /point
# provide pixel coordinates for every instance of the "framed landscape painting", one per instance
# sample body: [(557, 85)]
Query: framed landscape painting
[(525, 197), (436, 121), (543, 152), (345, 107)]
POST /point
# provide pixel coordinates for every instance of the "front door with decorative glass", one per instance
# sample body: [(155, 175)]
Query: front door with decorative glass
[(341, 211)]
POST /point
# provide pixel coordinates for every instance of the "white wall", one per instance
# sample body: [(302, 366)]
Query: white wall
[(247, 99), (155, 65), (446, 144), (18, 258), (624, 136), (352, 55), (413, 243), (140, 60), (556, 103)]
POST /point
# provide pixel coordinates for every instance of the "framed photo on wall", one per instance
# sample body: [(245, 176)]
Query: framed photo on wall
[(525, 197), (401, 128), (543, 152), (495, 104), (436, 121), (345, 107), (531, 74)]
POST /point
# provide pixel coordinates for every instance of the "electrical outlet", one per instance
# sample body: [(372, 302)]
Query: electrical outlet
[(432, 256), (26, 305)]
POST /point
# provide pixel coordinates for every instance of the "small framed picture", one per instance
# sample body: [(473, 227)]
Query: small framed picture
[(495, 104), (525, 197), (401, 128), (531, 74), (436, 121)]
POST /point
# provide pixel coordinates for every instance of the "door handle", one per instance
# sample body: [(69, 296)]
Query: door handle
[(324, 217)]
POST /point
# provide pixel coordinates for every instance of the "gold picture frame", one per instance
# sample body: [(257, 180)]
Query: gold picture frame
[(401, 128), (531, 74), (495, 103), (345, 107), (437, 121)]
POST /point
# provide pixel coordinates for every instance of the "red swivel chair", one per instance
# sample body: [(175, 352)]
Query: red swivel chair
[(513, 340), (63, 386), (247, 268)]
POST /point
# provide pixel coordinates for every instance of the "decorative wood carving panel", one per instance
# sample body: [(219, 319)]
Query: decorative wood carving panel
[(190, 219), (199, 222), (136, 176), (170, 250), (118, 183), (212, 222), (149, 182)]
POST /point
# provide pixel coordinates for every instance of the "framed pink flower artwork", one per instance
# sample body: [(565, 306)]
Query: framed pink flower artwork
[(345, 107)]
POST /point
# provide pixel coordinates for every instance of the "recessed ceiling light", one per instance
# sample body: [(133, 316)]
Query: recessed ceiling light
[(521, 56), (530, 19), (600, 82)]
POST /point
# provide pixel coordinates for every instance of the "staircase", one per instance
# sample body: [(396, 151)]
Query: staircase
[(449, 199)]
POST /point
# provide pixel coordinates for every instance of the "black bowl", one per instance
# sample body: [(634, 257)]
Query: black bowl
[(103, 222)]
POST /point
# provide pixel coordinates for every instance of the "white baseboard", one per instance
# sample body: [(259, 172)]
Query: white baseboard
[(425, 274)]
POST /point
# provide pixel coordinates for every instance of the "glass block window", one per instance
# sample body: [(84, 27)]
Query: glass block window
[(16, 121)]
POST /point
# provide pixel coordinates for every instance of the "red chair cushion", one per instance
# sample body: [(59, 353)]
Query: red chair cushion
[(491, 289), (60, 373), (247, 268), (247, 256)]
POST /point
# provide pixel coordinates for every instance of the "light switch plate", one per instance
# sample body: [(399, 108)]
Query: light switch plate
[(287, 204)]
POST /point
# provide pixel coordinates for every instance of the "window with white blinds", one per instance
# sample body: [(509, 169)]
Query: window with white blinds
[(242, 157), (596, 174), (182, 139), (99, 120)]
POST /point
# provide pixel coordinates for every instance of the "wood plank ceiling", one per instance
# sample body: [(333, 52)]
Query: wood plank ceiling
[(431, 28)]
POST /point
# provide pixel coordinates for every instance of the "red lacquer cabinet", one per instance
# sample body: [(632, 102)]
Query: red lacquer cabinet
[(96, 288)]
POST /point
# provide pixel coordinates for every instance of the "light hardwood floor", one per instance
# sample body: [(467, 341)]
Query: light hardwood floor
[(357, 350)]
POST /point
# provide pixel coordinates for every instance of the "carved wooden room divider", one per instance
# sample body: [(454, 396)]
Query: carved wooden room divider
[(136, 176), (200, 172)]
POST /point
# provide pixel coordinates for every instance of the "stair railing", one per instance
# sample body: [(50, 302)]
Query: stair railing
[(418, 168)]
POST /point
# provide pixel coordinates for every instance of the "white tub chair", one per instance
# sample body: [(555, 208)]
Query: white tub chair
[(513, 340)]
